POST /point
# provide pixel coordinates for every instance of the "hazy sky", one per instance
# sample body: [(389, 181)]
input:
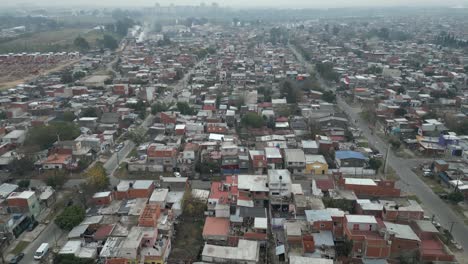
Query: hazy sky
[(249, 3)]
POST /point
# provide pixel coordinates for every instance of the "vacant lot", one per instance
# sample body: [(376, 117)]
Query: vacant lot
[(52, 41), (188, 241)]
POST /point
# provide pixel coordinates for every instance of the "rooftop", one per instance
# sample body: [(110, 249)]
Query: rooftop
[(216, 226)]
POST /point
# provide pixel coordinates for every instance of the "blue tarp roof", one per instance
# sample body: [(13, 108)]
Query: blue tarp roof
[(348, 154)]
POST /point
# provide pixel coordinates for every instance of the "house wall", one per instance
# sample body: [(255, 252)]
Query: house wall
[(400, 246), (322, 169)]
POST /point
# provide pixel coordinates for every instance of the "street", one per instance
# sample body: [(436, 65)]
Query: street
[(409, 182), (51, 234)]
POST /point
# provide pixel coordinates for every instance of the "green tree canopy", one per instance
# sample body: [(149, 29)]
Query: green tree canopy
[(290, 92), (375, 164), (160, 107), (71, 259), (70, 217), (109, 42), (185, 109), (45, 136), (81, 43), (252, 119), (97, 177), (329, 96)]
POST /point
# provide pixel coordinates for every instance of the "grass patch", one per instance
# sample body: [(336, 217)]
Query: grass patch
[(188, 240), (53, 41), (133, 153), (19, 247), (414, 197)]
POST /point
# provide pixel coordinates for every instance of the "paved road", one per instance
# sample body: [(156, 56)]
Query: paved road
[(409, 182), (50, 234)]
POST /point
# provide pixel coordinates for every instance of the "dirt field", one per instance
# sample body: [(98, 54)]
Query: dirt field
[(9, 78)]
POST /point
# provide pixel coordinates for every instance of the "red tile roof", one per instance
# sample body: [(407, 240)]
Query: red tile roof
[(216, 226)]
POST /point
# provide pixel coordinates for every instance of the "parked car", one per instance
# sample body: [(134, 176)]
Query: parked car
[(427, 173), (32, 225), (16, 259)]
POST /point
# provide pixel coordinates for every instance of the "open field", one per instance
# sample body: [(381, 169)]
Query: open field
[(11, 80), (52, 41)]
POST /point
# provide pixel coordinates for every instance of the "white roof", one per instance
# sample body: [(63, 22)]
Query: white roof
[(123, 185), (273, 153), (308, 260), (6, 189), (142, 184), (246, 250), (71, 247), (360, 181), (315, 158), (309, 144), (15, 134), (273, 176), (260, 223), (101, 194), (159, 195), (21, 195), (253, 183), (296, 188), (367, 219), (401, 231)]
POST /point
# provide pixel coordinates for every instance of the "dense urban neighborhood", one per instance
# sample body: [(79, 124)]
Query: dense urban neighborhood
[(181, 134)]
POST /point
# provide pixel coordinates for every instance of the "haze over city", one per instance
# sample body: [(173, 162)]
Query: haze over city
[(243, 132), (295, 4)]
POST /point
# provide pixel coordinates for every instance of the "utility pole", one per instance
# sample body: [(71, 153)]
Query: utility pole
[(386, 161), (451, 226)]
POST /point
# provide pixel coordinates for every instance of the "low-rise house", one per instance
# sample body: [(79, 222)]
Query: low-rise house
[(351, 159), (274, 158), (24, 202), (368, 242), (163, 155), (310, 147), (246, 252), (316, 164), (216, 229), (294, 160)]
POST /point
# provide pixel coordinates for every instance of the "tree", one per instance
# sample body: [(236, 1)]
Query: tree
[(70, 217), (456, 196), (78, 75), (375, 164), (22, 165), (89, 112), (68, 116), (45, 136), (191, 206), (395, 143), (109, 42), (252, 119), (137, 135), (71, 259), (66, 77), (24, 184), (329, 97), (400, 112), (97, 177), (57, 180), (345, 248), (185, 109), (3, 115), (292, 94), (160, 107), (81, 43)]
